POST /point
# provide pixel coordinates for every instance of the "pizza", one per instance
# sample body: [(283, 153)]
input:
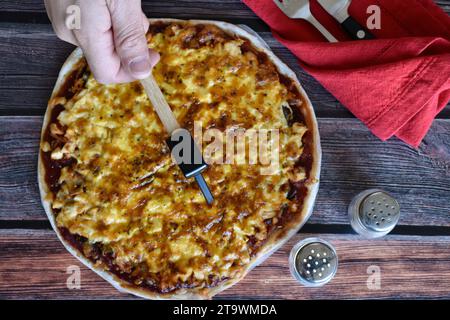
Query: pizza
[(119, 203)]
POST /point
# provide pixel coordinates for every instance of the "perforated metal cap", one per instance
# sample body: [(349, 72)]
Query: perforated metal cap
[(374, 213), (313, 262)]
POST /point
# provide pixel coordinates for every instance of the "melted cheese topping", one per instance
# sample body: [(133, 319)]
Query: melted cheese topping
[(125, 195)]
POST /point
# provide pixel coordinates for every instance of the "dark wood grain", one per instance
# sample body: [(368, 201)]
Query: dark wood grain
[(34, 265), (353, 160), (223, 8), (32, 56), (27, 79), (214, 8)]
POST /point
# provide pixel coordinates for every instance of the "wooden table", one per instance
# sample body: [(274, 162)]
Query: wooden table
[(414, 259)]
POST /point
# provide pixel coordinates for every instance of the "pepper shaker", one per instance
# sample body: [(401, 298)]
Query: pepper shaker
[(373, 213), (313, 262)]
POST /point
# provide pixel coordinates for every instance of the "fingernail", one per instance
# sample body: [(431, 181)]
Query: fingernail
[(140, 66)]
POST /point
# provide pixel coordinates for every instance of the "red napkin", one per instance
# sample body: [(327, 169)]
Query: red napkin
[(396, 84)]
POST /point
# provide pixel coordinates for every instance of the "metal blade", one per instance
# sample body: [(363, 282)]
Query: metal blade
[(204, 188), (337, 8)]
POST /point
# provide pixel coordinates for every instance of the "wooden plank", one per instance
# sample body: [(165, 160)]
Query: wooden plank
[(34, 266), (353, 160), (444, 4), (172, 7), (213, 9), (411, 267), (27, 79)]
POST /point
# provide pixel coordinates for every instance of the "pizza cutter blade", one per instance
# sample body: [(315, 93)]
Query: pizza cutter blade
[(184, 150)]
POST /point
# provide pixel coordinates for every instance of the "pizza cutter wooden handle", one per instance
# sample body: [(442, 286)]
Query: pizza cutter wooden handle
[(160, 104)]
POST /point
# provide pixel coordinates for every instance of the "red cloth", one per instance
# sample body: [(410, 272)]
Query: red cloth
[(396, 84)]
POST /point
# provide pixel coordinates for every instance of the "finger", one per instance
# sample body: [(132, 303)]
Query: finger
[(154, 57), (58, 12), (145, 22), (104, 62), (129, 37), (97, 41)]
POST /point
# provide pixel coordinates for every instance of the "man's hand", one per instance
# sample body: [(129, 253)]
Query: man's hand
[(111, 34)]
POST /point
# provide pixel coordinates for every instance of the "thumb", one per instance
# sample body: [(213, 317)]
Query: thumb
[(129, 38)]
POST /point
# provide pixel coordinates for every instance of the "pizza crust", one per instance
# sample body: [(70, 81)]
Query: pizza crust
[(277, 239)]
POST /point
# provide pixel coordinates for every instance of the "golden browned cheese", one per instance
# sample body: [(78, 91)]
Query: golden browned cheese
[(124, 194)]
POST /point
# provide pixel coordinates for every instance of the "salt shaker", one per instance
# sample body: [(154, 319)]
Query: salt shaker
[(373, 213), (313, 262)]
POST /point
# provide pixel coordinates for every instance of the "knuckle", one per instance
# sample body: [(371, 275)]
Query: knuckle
[(129, 37)]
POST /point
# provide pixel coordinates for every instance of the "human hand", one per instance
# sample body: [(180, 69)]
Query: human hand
[(111, 35)]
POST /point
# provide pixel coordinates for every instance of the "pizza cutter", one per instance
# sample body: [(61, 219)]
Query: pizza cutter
[(183, 148)]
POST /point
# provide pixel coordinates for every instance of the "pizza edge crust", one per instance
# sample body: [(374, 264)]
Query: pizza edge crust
[(277, 239)]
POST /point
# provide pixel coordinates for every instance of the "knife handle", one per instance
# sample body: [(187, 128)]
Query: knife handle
[(355, 30)]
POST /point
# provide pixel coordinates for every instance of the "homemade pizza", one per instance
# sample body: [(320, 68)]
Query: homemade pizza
[(119, 203)]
